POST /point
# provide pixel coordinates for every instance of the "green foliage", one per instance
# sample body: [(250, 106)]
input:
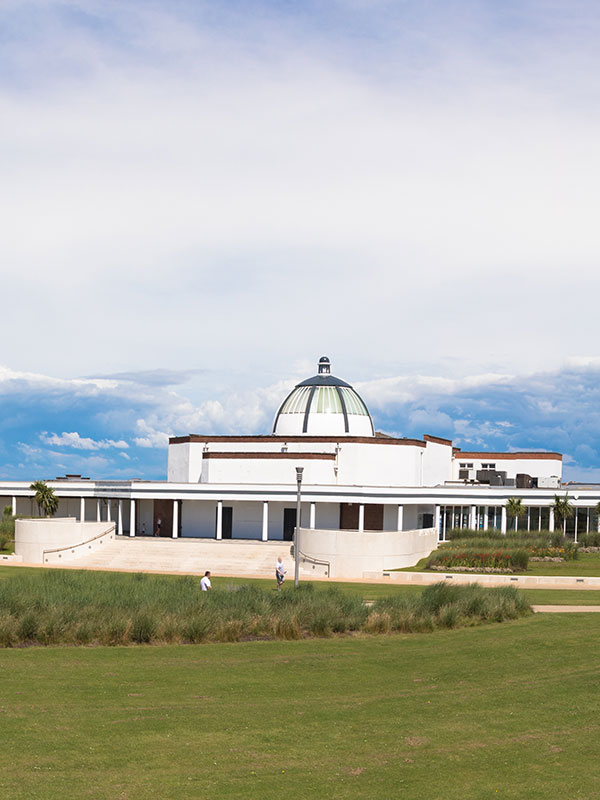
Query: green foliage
[(45, 498), (71, 607), (445, 606), (494, 550), (515, 509), (591, 539), (497, 558), (563, 509)]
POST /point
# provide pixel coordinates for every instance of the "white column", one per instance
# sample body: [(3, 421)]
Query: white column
[(219, 519), (473, 518), (98, 511), (312, 521), (108, 519), (132, 517), (265, 522), (14, 506), (400, 523), (82, 509), (486, 517), (587, 522), (528, 518), (120, 518), (444, 523), (551, 520), (575, 528), (175, 533), (503, 523), (361, 517), (436, 521)]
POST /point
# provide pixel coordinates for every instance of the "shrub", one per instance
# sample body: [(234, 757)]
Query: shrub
[(591, 539), (496, 558)]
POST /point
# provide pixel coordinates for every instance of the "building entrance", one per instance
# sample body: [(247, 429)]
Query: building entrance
[(289, 523)]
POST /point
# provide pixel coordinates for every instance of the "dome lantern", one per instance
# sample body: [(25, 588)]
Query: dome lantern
[(324, 366)]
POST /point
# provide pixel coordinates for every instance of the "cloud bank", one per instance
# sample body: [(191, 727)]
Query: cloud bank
[(116, 429), (197, 184)]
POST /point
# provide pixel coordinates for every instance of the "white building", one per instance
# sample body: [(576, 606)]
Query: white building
[(244, 487)]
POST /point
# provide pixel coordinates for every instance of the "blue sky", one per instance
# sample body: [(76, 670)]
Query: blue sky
[(200, 199)]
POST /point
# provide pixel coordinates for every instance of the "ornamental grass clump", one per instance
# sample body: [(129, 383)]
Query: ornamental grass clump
[(72, 607), (445, 606)]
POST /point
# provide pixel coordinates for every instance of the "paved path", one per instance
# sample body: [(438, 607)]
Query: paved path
[(566, 609)]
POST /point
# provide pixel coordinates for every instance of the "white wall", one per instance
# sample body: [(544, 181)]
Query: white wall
[(352, 553), (266, 470), (144, 515), (35, 536), (178, 464), (437, 464), (198, 518), (536, 467), (378, 464)]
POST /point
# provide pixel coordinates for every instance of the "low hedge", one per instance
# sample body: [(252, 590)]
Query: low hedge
[(538, 544), (496, 558)]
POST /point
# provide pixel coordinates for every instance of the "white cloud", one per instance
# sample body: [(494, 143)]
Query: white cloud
[(275, 173), (78, 442)]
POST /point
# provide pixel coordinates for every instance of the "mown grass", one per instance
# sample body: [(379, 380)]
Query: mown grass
[(497, 711), (75, 607)]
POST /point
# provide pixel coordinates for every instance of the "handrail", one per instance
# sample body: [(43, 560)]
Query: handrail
[(316, 561), (80, 544)]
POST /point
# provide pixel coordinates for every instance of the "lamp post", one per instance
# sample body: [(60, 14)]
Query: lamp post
[(299, 471)]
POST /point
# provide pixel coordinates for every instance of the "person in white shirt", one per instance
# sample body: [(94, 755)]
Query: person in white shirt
[(279, 573), (205, 583)]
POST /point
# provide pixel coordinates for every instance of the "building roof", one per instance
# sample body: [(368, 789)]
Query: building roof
[(323, 405)]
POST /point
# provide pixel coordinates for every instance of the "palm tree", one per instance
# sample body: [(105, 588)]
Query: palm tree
[(45, 498), (562, 510), (515, 509)]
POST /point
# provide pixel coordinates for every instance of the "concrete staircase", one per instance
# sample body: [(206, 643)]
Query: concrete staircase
[(189, 556)]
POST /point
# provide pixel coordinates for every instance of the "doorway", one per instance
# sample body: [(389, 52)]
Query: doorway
[(289, 524), (226, 522), (163, 514)]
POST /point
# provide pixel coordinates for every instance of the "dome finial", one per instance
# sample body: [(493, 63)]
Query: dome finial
[(324, 366)]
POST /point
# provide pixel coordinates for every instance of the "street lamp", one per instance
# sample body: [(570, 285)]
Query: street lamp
[(299, 471)]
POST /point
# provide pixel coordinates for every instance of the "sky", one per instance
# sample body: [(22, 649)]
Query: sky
[(200, 199)]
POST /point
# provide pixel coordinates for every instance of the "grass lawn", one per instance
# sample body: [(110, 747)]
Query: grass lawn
[(585, 565), (502, 711)]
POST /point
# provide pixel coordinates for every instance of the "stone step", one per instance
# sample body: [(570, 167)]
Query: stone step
[(227, 557)]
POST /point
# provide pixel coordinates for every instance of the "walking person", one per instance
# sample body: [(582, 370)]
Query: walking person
[(205, 583), (279, 573), (158, 526)]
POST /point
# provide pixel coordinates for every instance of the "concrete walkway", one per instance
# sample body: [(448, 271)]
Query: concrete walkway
[(566, 609)]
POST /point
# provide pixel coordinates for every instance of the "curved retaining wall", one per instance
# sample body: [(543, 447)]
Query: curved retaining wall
[(352, 553), (34, 538)]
